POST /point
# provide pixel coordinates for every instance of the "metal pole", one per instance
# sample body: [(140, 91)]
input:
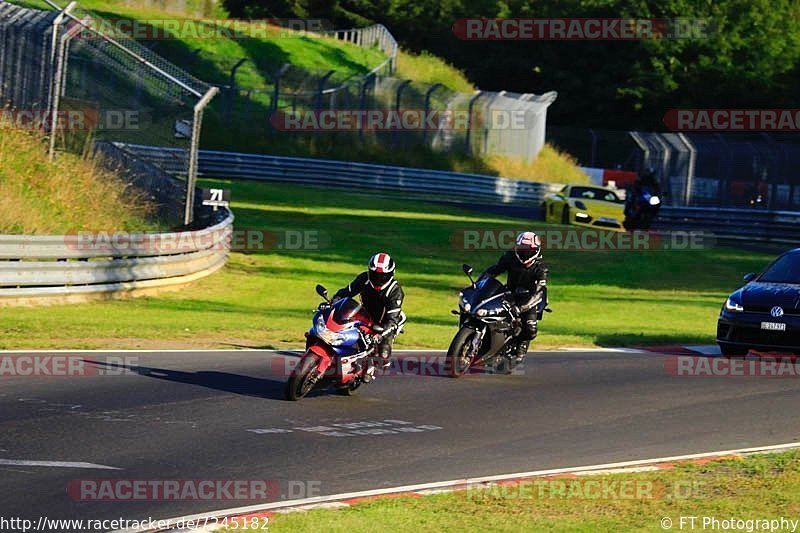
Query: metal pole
[(320, 88), (232, 89), (469, 120), (642, 146), (690, 171), (191, 179), (133, 54), (54, 45), (428, 95), (398, 96), (57, 86)]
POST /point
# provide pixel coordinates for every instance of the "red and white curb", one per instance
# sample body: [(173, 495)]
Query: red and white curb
[(339, 501)]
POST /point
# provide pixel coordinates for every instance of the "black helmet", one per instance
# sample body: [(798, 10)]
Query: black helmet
[(648, 173)]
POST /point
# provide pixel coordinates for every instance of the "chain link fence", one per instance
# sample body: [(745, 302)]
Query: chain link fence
[(85, 82), (757, 170), (325, 106)]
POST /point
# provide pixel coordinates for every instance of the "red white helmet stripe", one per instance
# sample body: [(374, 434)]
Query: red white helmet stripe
[(382, 263)]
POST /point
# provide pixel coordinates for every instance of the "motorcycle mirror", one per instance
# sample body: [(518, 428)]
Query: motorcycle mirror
[(749, 277), (322, 291), (468, 271)]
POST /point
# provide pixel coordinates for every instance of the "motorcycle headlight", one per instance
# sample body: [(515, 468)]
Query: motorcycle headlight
[(655, 200), (326, 335), (731, 305), (489, 312)]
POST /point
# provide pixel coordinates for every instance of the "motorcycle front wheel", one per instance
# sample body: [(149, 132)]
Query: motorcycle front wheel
[(458, 357), (302, 379)]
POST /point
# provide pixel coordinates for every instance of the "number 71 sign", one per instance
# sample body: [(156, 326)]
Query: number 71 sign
[(216, 197)]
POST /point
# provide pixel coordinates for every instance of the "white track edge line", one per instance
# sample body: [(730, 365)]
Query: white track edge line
[(235, 511)]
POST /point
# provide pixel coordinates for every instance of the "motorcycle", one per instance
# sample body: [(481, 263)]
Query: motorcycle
[(339, 349), (488, 327), (641, 209)]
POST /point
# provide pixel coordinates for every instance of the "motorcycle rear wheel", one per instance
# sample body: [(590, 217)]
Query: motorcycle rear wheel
[(301, 381)]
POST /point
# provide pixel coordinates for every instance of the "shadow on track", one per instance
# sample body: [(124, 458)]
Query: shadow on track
[(221, 381)]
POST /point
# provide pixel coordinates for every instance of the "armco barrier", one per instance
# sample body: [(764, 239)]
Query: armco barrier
[(70, 267), (752, 225), (428, 184), (727, 224)]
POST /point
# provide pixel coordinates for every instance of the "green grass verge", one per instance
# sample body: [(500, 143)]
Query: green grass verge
[(68, 195), (264, 298), (752, 489)]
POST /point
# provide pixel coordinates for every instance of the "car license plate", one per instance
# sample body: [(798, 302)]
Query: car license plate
[(607, 219), (773, 326)]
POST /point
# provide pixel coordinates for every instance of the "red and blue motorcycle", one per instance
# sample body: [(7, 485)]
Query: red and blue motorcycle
[(339, 349)]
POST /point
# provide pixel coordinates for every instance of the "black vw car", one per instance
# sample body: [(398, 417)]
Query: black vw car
[(765, 313)]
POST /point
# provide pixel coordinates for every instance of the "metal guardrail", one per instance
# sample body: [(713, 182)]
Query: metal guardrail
[(726, 224), (91, 264), (755, 225), (412, 182)]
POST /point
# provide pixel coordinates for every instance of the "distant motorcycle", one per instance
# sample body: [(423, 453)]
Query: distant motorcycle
[(339, 348), (488, 327), (641, 208)]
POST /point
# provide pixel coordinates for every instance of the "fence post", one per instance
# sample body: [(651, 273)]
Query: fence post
[(57, 80), (54, 46), (690, 170), (467, 139), (320, 88), (398, 95), (191, 178), (232, 90), (428, 95), (277, 89)]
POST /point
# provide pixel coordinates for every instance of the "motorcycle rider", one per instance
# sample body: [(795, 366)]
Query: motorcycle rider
[(525, 272), (633, 197), (382, 297)]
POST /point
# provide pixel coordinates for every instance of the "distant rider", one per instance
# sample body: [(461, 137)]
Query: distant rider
[(382, 297), (647, 178), (525, 271)]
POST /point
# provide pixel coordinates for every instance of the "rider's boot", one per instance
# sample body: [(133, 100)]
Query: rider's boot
[(522, 350), (369, 375)]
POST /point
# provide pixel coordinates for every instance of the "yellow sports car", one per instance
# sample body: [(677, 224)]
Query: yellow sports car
[(584, 205)]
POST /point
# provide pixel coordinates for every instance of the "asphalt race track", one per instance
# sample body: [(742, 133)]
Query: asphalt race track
[(192, 415)]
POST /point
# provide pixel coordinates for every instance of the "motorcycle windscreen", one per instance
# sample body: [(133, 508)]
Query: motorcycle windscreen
[(349, 310), (484, 289)]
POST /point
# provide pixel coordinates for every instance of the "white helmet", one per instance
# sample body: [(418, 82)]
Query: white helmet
[(381, 270), (528, 248)]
